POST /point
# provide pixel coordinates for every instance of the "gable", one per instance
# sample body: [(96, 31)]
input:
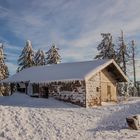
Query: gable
[(113, 69)]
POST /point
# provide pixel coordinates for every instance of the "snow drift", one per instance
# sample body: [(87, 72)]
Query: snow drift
[(25, 118)]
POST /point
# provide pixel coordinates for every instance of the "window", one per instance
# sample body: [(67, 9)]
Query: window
[(97, 89), (35, 88), (109, 93), (108, 89)]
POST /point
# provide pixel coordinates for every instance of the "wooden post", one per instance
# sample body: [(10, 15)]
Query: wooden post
[(26, 87), (11, 87), (39, 91), (100, 88), (138, 84), (134, 67), (133, 47)]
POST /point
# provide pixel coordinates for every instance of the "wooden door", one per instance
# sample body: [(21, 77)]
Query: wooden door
[(109, 92)]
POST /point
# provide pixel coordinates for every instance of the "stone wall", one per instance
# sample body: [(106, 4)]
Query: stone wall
[(70, 91), (93, 91), (97, 89)]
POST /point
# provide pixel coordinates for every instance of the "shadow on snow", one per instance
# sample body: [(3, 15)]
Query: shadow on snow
[(22, 100), (116, 119)]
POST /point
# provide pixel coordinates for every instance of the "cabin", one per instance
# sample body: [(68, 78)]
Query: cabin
[(86, 83)]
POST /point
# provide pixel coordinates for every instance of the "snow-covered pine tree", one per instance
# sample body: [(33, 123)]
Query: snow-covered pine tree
[(1, 62), (26, 59), (122, 53), (53, 56), (106, 47), (122, 58), (4, 73), (40, 58)]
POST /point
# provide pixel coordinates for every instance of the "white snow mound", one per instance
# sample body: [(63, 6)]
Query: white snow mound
[(26, 118)]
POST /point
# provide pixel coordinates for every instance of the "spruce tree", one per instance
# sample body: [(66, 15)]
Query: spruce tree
[(26, 59), (40, 58), (122, 58), (53, 56), (122, 53), (4, 73), (106, 47)]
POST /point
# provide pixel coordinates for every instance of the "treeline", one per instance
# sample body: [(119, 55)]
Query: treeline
[(121, 52), (29, 57), (124, 55)]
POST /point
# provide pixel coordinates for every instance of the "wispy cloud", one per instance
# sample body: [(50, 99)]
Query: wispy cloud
[(3, 12), (75, 25)]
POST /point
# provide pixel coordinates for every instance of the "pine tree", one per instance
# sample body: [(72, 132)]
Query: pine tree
[(106, 47), (122, 55), (1, 62), (26, 59), (122, 58), (4, 73), (40, 58), (131, 66), (53, 56)]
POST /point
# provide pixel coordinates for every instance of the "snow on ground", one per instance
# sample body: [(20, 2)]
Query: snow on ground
[(26, 118)]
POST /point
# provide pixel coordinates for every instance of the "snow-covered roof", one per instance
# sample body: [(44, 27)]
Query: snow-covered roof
[(62, 72)]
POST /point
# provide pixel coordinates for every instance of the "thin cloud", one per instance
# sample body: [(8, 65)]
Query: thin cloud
[(74, 26)]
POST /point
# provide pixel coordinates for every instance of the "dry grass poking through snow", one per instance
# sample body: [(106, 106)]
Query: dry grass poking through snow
[(25, 118)]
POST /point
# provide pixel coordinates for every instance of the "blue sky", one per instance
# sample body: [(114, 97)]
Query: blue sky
[(73, 25)]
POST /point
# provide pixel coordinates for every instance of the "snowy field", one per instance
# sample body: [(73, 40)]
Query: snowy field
[(26, 118)]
